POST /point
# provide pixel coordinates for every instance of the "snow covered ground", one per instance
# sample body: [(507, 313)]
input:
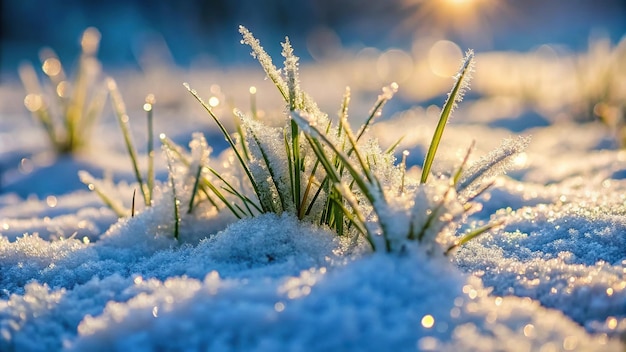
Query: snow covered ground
[(75, 277)]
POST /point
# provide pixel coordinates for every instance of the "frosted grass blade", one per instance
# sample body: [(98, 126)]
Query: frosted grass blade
[(455, 96)]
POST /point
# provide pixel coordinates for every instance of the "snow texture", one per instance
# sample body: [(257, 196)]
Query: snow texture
[(74, 277)]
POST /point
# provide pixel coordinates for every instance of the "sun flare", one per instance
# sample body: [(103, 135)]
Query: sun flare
[(468, 18)]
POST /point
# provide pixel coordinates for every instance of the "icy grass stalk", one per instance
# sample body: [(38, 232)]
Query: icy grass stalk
[(454, 97), (265, 60), (242, 160), (147, 189), (100, 188), (148, 108), (495, 163), (176, 201), (122, 118), (203, 183), (77, 105)]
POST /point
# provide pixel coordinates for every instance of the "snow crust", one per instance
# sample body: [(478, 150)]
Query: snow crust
[(74, 277)]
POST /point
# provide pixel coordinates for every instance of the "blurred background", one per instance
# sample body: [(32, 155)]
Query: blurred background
[(197, 32)]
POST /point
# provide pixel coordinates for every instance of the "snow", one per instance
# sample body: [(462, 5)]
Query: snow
[(75, 277)]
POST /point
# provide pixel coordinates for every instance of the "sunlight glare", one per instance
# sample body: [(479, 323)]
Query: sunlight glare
[(469, 18)]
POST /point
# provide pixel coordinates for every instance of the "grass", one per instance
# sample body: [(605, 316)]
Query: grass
[(66, 108), (146, 187), (322, 171), (327, 174)]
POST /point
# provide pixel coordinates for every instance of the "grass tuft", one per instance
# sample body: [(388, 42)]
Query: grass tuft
[(325, 173), (66, 108)]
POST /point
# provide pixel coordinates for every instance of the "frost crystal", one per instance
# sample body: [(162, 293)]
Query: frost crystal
[(491, 165), (264, 59)]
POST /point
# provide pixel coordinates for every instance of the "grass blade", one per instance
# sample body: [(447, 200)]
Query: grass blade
[(93, 185), (473, 234), (455, 96), (196, 184), (176, 200), (122, 118), (230, 141), (148, 107)]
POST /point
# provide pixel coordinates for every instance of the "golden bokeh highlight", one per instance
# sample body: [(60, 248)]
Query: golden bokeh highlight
[(33, 102), (428, 321)]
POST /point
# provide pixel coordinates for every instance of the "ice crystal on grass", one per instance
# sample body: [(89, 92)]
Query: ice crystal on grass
[(490, 165)]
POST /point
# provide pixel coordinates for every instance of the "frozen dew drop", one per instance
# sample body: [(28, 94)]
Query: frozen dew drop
[(498, 301), (91, 186), (26, 166), (51, 66), (90, 40), (529, 330), (214, 101), (609, 291), (611, 323), (86, 240), (472, 294), (155, 311), (428, 321), (252, 90), (150, 100), (63, 89), (33, 102), (5, 226), (51, 201), (279, 307), (570, 343)]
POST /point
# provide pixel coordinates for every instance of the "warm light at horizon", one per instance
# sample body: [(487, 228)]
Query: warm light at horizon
[(464, 17)]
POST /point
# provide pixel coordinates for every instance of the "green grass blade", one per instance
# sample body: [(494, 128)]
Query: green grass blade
[(457, 175), (230, 141), (454, 97), (473, 234), (234, 191), (297, 164), (393, 147), (122, 118), (315, 135), (383, 98), (149, 108), (175, 198), (196, 184), (86, 178)]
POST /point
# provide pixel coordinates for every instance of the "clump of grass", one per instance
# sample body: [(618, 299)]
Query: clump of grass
[(325, 173), (423, 211), (600, 91), (283, 172), (66, 108)]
